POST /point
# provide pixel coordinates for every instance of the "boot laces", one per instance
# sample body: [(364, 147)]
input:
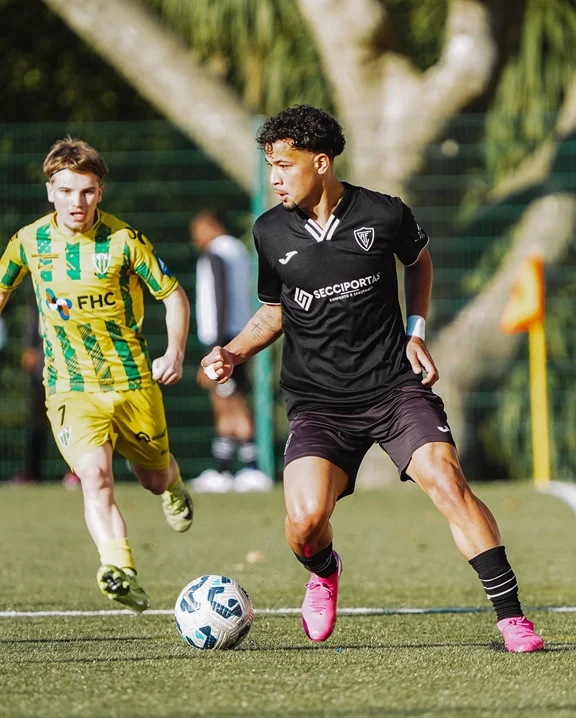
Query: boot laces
[(319, 594)]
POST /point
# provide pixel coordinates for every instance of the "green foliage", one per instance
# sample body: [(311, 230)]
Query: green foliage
[(264, 49), (261, 47), (533, 84), (48, 74), (418, 27)]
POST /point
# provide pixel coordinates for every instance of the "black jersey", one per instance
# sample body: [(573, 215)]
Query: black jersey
[(344, 338)]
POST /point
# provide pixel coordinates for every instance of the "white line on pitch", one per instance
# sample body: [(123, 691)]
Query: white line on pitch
[(562, 490), (285, 612)]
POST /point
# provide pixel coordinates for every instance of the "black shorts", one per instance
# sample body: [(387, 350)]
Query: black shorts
[(406, 419)]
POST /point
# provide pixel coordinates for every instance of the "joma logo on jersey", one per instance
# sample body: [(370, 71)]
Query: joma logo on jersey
[(96, 300), (365, 237), (303, 299), (62, 306), (101, 262), (422, 236), (64, 435)]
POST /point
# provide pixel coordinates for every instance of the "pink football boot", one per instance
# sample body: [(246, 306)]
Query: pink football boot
[(320, 603), (519, 635)]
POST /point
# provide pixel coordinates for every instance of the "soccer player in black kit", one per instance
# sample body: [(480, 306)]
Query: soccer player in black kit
[(352, 375)]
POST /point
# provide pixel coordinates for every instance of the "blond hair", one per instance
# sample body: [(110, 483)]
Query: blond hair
[(75, 155)]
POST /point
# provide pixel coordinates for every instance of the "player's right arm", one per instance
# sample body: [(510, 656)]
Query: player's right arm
[(261, 331), (13, 269), (3, 299)]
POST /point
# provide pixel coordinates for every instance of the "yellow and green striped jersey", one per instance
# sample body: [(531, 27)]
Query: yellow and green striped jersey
[(90, 298)]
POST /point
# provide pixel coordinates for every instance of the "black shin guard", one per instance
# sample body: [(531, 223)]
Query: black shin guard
[(499, 582), (322, 564)]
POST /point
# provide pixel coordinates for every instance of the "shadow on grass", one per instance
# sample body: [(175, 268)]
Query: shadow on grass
[(104, 639), (494, 646), (531, 711), (183, 653)]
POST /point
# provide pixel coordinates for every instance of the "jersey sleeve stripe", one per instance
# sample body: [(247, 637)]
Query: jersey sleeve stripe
[(144, 272), (10, 275), (266, 301), (23, 257)]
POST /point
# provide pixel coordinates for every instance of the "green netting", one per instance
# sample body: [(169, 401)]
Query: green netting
[(159, 180)]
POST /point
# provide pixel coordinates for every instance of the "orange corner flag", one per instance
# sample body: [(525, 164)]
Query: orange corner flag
[(526, 304)]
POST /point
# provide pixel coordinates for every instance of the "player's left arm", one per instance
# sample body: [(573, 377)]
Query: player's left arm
[(167, 369), (4, 295), (163, 286), (418, 290)]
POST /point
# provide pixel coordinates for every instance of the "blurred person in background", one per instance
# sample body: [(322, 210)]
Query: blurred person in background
[(37, 426), (352, 375), (223, 306), (88, 269)]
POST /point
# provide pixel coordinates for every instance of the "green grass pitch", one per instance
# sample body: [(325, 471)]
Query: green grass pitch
[(397, 552)]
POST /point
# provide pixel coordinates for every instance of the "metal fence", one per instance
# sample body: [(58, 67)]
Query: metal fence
[(158, 180)]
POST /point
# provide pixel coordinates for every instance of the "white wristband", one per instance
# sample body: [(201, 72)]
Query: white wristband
[(416, 326)]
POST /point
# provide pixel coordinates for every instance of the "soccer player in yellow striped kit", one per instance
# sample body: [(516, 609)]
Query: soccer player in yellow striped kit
[(87, 269)]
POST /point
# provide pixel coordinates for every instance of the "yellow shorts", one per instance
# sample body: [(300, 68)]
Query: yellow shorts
[(133, 421)]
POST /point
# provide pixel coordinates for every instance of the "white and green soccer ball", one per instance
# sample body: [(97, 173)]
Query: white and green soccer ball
[(213, 612)]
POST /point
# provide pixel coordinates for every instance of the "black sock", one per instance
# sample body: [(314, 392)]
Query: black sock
[(223, 450), (323, 564), (247, 454), (499, 582)]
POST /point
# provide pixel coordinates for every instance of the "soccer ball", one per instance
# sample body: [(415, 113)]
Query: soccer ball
[(213, 612)]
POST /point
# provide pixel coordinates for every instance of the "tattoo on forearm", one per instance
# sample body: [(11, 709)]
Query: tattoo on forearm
[(263, 326), (256, 330)]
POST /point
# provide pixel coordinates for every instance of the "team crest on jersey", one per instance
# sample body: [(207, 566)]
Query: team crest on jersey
[(101, 262), (365, 237), (64, 435)]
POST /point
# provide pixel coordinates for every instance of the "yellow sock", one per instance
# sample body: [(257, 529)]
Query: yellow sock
[(174, 484), (117, 553)]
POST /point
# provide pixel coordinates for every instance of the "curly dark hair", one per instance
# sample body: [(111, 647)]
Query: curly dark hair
[(308, 128)]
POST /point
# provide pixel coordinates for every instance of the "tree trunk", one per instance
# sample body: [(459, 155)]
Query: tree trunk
[(164, 71), (471, 347), (391, 110)]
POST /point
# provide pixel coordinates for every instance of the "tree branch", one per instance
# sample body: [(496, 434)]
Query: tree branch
[(161, 68), (350, 36), (471, 346), (535, 168), (465, 69)]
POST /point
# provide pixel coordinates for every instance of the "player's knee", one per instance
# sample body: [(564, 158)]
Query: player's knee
[(446, 487), (95, 479), (305, 524)]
